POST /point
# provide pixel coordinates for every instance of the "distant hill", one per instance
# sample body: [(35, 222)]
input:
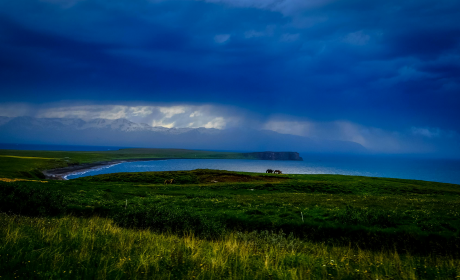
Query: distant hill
[(274, 155), (122, 132)]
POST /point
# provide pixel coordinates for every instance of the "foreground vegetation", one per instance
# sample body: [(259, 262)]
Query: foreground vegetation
[(95, 248), (217, 224), (374, 213)]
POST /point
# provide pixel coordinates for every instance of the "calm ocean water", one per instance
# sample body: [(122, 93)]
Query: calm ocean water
[(438, 170)]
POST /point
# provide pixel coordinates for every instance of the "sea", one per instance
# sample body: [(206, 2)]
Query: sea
[(389, 166)]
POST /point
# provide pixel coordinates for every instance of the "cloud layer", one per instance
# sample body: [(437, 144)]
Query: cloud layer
[(415, 140), (390, 68), (178, 116)]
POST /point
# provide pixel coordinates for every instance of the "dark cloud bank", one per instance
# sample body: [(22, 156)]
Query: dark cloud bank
[(390, 65), (121, 132)]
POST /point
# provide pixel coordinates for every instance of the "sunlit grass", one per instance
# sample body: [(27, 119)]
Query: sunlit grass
[(94, 248), (9, 180), (25, 157)]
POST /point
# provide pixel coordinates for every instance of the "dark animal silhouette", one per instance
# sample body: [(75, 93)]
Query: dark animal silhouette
[(170, 181), (269, 171), (277, 172)]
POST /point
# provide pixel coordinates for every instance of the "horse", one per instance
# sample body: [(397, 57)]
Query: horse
[(170, 181), (269, 171), (277, 172)]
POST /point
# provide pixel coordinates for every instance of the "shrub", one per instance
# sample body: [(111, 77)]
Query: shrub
[(368, 217), (174, 219), (24, 200)]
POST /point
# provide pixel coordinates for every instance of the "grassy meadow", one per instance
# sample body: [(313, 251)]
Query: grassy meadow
[(214, 224)]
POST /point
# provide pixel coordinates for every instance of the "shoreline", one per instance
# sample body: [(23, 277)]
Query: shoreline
[(63, 172)]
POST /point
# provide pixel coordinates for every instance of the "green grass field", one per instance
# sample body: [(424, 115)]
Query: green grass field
[(224, 225)]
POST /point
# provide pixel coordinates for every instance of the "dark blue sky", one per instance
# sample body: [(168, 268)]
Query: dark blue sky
[(380, 72)]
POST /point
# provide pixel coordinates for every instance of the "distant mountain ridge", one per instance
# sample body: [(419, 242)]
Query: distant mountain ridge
[(79, 124), (275, 155), (122, 132)]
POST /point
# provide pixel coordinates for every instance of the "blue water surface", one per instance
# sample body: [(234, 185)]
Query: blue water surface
[(403, 167), (438, 170)]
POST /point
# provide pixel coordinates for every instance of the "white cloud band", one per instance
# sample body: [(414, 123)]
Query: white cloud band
[(412, 140)]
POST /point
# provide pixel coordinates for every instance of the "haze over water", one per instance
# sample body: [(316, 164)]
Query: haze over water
[(438, 170)]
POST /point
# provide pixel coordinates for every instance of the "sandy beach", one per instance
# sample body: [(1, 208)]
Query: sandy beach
[(62, 173)]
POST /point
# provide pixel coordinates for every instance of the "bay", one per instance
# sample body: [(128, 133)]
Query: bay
[(390, 166), (437, 170)]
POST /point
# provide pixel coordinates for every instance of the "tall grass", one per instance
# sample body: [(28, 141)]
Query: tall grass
[(95, 248), (210, 215), (350, 228)]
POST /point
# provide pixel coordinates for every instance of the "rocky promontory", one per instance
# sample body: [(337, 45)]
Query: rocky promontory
[(274, 155)]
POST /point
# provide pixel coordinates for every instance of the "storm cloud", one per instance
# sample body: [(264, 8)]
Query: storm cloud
[(390, 68)]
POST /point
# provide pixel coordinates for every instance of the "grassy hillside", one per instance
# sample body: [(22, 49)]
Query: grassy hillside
[(372, 212), (214, 224)]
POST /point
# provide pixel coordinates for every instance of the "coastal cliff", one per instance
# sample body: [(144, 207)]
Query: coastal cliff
[(274, 155)]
